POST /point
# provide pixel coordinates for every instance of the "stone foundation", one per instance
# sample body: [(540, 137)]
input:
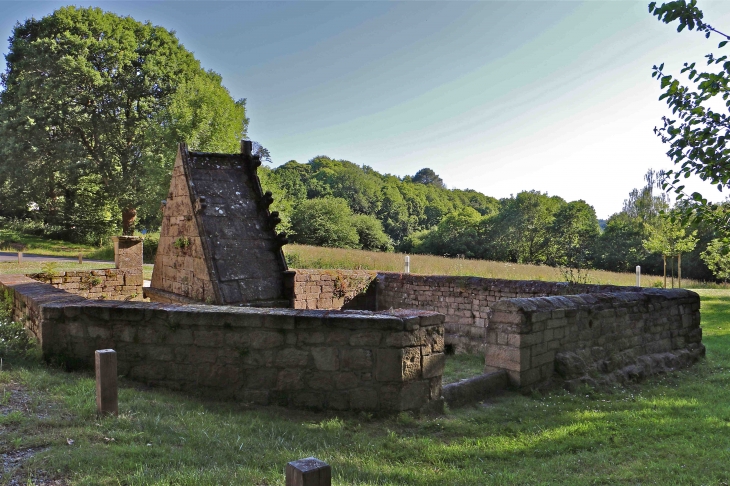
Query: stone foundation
[(594, 338), (350, 360)]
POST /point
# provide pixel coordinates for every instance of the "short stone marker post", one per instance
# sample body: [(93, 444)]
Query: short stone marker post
[(20, 257), (638, 275), (408, 264), (107, 402), (81, 258), (308, 472)]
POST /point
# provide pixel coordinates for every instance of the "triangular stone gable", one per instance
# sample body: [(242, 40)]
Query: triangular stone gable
[(233, 254)]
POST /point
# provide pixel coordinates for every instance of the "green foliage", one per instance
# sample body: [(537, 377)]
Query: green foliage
[(573, 233), (428, 176), (370, 233), (520, 233), (92, 109), (182, 242), (697, 137), (456, 234), (324, 222), (717, 258), (670, 238)]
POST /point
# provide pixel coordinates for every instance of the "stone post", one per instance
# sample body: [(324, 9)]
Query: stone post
[(127, 251), (107, 402), (308, 472)]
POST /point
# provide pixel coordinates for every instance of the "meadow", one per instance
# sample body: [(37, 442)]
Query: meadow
[(671, 429)]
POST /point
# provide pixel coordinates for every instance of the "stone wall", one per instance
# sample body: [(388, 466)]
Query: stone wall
[(107, 284), (465, 301), (594, 338), (360, 360), (333, 289)]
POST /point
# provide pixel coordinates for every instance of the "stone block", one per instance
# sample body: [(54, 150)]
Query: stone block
[(265, 339), (363, 399), (433, 365), (291, 358), (356, 359), (398, 364), (320, 380), (365, 338), (326, 359), (414, 395), (290, 380), (346, 380)]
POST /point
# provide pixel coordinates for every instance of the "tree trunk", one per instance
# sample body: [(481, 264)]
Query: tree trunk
[(129, 215), (679, 270)]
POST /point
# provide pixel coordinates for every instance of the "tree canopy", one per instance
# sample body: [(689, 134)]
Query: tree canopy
[(92, 96), (697, 129)]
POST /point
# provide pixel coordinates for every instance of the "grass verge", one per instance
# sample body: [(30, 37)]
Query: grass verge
[(673, 429)]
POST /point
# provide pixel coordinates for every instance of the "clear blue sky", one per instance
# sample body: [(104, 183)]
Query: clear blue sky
[(495, 96)]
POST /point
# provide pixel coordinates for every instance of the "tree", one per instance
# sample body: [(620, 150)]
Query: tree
[(370, 233), (324, 222), (456, 234), (429, 177), (573, 235), (698, 136), (520, 233), (670, 238), (717, 258), (90, 93)]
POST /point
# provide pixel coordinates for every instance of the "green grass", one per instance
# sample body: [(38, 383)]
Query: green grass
[(673, 429), (42, 246), (302, 256), (462, 366)]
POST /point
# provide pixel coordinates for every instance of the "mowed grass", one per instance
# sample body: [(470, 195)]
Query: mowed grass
[(672, 429), (301, 256)]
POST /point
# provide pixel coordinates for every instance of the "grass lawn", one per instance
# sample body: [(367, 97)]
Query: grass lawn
[(673, 429)]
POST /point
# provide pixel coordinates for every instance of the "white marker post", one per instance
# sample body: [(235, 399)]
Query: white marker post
[(638, 275), (408, 264)]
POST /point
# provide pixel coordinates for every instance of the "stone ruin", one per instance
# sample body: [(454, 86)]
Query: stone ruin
[(351, 340), (218, 242)]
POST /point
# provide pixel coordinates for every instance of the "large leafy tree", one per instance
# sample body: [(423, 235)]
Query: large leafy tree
[(698, 129), (89, 93)]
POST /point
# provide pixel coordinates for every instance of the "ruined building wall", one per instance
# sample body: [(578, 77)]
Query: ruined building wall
[(464, 301), (180, 266), (121, 283), (594, 338), (350, 360)]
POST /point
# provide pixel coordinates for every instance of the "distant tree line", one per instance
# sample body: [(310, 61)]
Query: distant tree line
[(337, 203)]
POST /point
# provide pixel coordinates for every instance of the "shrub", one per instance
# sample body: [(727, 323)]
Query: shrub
[(371, 234), (324, 222)]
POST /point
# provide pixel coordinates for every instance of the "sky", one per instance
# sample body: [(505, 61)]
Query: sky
[(496, 96)]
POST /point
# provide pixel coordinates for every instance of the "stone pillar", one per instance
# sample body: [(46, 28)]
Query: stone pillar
[(127, 251)]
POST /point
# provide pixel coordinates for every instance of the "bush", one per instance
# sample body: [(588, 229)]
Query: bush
[(149, 249), (371, 234), (324, 222)]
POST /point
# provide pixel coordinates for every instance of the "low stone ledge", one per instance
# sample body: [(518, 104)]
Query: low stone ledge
[(475, 389)]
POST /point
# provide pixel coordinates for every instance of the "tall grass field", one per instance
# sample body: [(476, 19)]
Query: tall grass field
[(301, 256)]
